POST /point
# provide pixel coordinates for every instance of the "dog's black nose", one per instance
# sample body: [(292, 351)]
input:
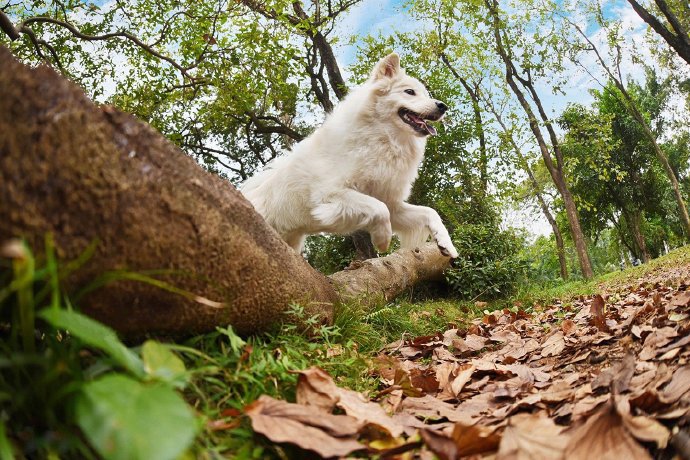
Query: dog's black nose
[(441, 106)]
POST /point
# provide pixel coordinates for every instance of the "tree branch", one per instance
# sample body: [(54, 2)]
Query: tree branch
[(680, 43), (126, 35), (8, 27), (279, 128)]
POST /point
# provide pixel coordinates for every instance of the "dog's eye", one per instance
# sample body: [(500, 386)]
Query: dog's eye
[(410, 92)]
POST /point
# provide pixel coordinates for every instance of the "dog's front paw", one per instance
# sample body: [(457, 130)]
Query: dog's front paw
[(381, 238), (447, 249)]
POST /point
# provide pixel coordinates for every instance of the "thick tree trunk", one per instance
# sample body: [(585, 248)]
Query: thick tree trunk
[(93, 174), (386, 277)]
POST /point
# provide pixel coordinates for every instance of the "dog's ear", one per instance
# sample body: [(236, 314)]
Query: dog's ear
[(387, 67)]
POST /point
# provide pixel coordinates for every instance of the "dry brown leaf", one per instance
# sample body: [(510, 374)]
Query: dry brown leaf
[(449, 336), (475, 342), (554, 345), (504, 336), (641, 427), (654, 341), (304, 426), (474, 439), (568, 327), (514, 351), (671, 354), (598, 310), (463, 374), (559, 391), (604, 437), (315, 387), (359, 407), (386, 365), (587, 405), (531, 437), (509, 388), (424, 379), (463, 441), (625, 369), (680, 343), (678, 386), (681, 299), (434, 409), (443, 354), (440, 444), (444, 373)]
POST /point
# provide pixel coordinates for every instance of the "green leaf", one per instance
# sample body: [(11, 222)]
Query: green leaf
[(5, 446), (95, 334), (162, 364), (128, 420)]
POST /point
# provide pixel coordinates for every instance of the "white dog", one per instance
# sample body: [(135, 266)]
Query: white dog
[(356, 171)]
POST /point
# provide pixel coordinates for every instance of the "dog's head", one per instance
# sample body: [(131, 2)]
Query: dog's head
[(404, 99)]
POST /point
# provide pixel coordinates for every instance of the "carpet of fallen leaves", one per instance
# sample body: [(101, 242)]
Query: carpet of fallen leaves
[(602, 377)]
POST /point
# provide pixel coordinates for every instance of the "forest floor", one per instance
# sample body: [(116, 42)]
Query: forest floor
[(600, 372)]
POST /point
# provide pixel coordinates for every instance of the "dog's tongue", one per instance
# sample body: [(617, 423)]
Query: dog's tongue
[(424, 125)]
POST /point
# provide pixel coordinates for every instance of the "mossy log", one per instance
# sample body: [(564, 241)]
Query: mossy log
[(86, 173)]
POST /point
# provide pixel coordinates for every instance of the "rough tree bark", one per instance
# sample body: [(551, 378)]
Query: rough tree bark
[(86, 173)]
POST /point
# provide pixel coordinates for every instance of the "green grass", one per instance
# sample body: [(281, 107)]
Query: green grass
[(609, 282), (42, 376)]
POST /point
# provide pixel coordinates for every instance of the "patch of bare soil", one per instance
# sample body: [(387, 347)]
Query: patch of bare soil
[(605, 377)]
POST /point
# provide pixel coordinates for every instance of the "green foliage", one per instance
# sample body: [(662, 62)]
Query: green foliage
[(490, 263), (614, 171), (65, 377), (126, 419), (329, 253)]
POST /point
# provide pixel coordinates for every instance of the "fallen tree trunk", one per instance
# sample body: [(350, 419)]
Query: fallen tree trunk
[(93, 174)]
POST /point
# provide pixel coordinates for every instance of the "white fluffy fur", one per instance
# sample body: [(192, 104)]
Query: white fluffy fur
[(356, 170)]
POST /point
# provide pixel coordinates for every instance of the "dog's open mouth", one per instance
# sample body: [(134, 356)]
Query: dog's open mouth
[(417, 121)]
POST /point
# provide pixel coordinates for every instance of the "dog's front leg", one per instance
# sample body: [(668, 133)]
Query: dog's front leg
[(414, 224), (348, 210)]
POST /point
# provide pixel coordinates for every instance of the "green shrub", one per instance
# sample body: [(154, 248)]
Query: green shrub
[(68, 387), (329, 253), (489, 264)]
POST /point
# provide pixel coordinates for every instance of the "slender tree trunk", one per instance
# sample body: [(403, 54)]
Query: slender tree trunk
[(364, 249), (537, 192), (473, 92), (553, 168), (93, 176), (663, 159)]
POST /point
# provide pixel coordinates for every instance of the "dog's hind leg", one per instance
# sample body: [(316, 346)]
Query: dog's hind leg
[(414, 224), (295, 240), (348, 210)]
